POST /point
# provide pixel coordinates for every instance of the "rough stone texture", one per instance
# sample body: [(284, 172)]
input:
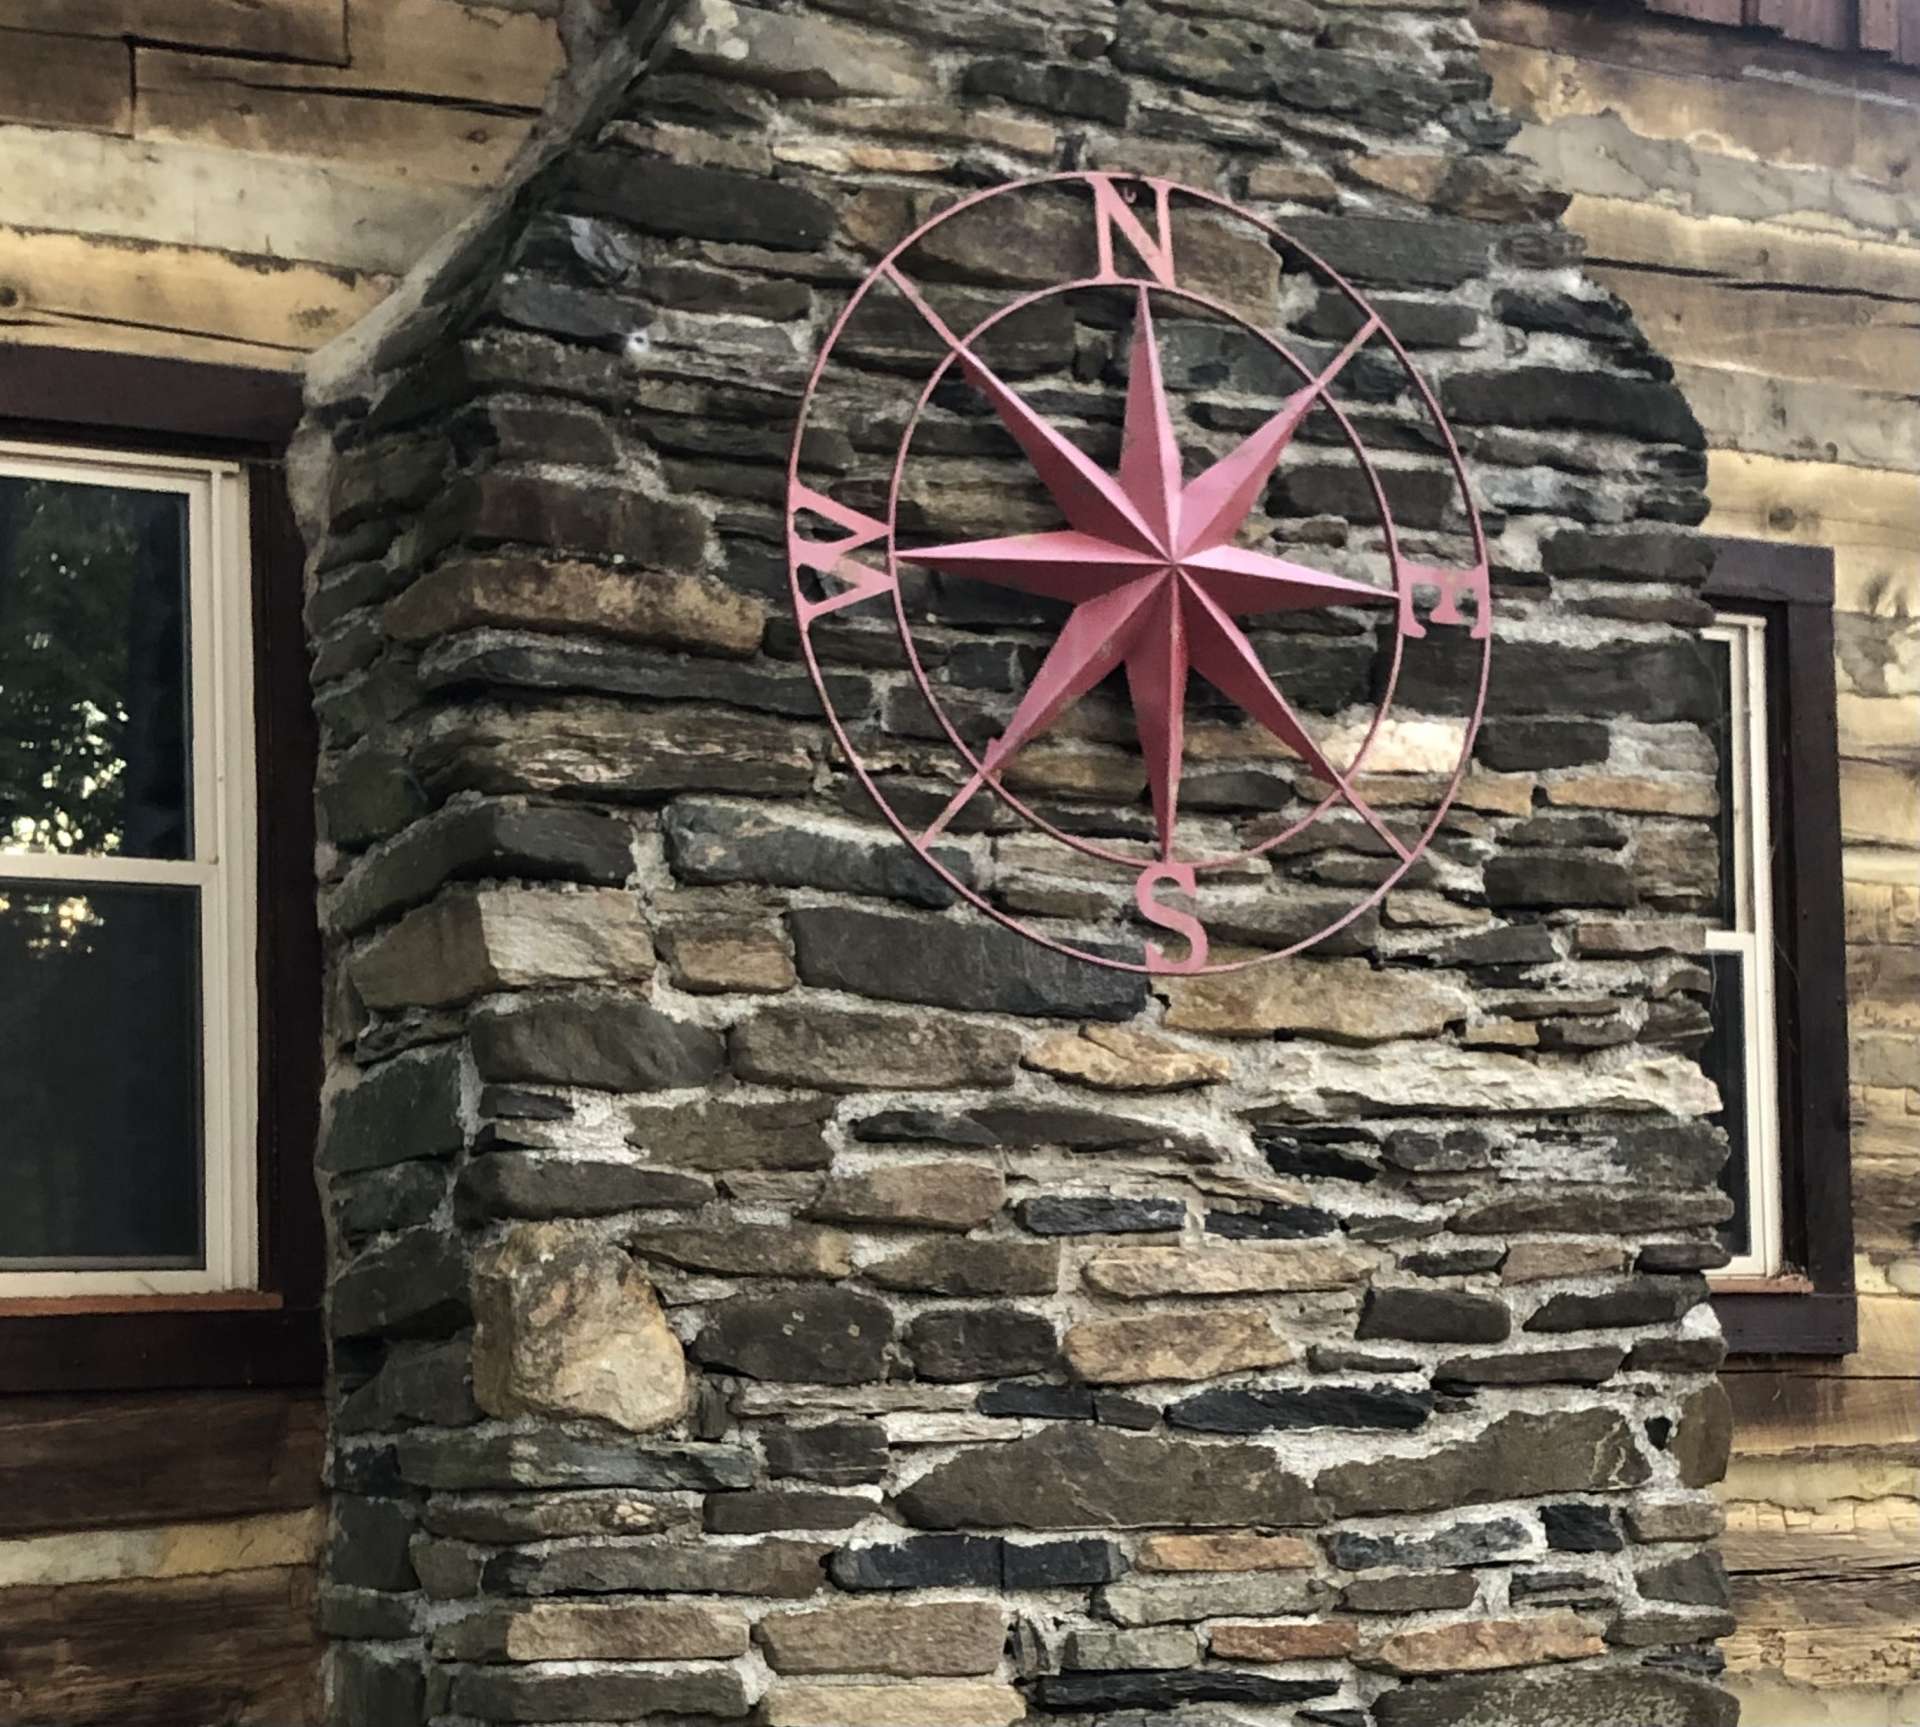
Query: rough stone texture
[(565, 1325), (1026, 1341)]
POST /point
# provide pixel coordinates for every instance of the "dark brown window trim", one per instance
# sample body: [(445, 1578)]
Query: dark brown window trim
[(121, 402), (1792, 587)]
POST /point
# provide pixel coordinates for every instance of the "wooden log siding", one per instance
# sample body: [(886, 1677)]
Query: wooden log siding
[(1890, 27)]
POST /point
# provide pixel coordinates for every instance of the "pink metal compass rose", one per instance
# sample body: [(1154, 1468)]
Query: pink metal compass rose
[(1153, 567)]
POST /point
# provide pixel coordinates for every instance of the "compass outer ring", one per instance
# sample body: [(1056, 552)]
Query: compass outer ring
[(1438, 419)]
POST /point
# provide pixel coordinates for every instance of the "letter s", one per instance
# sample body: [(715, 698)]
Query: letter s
[(1169, 917)]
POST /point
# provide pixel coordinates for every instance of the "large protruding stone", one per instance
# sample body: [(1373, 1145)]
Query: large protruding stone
[(568, 1325)]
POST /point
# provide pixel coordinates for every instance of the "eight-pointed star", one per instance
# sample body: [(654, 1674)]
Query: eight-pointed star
[(1153, 575)]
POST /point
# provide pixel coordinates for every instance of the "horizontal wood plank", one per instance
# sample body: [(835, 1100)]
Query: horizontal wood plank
[(1853, 1536), (241, 1647), (225, 201), (249, 105), (71, 1463), (1798, 420), (181, 290), (66, 81), (1767, 254), (1889, 1345), (292, 29), (1833, 338), (1829, 1631), (1790, 1411), (1626, 36)]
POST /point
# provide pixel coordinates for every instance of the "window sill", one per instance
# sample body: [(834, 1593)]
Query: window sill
[(162, 1345), (223, 1301), (1779, 1317)]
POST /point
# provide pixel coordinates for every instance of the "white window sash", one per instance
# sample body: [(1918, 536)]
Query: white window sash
[(221, 869), (1751, 937)]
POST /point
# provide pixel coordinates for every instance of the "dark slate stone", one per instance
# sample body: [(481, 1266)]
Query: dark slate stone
[(1037, 1402), (414, 1285), (1053, 88), (1115, 1409), (1561, 1589), (1557, 831), (1456, 1547), (924, 1562), (1453, 1261), (1697, 1579), (532, 1184), (1593, 1364), (676, 198), (1434, 1153), (813, 1336), (407, 1109), (611, 1694), (1272, 1220), (922, 1127), (971, 964), (369, 1548), (1677, 1355), (385, 1199), (1576, 1528), (516, 1104), (712, 843), (1233, 1409), (612, 1043), (1031, 1127), (1060, 1564), (1420, 253), (1344, 1358), (1655, 681), (1519, 745), (1547, 880), (1073, 1214), (1291, 1151), (1686, 1154), (1068, 1476), (718, 1134), (1077, 1693), (1415, 1592), (1636, 1301), (1608, 1696), (1333, 1718), (763, 1513), (467, 1462), (788, 1569), (1633, 554), (1580, 1208), (1586, 401), (970, 1268), (1435, 1316), (965, 1343), (1669, 1256), (380, 1690), (840, 1453), (1416, 323)]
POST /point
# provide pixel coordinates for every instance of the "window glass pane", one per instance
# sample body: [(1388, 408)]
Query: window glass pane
[(1720, 659), (100, 1146), (94, 703), (1725, 1062)]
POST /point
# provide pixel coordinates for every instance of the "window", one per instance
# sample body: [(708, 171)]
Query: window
[(159, 1042), (1775, 947), (126, 851)]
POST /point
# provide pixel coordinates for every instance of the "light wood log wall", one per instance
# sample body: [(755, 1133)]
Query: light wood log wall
[(240, 180), (233, 180), (1758, 205)]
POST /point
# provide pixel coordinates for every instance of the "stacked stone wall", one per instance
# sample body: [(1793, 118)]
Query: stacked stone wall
[(764, 1288)]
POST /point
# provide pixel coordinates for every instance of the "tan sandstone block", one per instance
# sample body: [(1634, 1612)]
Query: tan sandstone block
[(1327, 1640), (974, 1703), (1343, 999), (914, 1639), (1174, 1346), (1481, 1645), (1247, 1268), (1227, 1550), (1113, 1058)]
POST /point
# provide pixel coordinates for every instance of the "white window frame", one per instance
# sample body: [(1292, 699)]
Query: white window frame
[(221, 869), (1751, 936)]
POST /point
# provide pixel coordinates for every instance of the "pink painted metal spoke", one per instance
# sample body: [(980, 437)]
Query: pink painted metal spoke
[(1151, 571)]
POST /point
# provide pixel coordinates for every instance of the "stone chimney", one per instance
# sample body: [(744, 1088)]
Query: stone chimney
[(765, 1286)]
